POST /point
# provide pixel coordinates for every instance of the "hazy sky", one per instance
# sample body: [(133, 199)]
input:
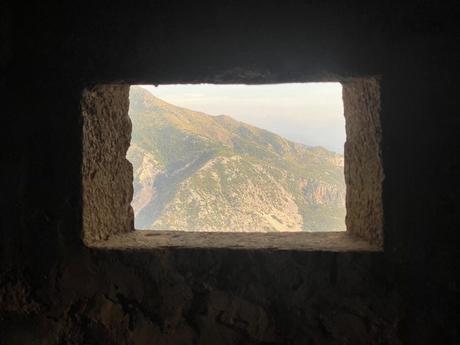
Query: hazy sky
[(308, 113)]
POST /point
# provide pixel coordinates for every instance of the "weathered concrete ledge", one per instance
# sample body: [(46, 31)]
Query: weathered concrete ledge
[(301, 241)]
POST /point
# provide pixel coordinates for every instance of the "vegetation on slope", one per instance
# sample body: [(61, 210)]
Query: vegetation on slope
[(194, 171)]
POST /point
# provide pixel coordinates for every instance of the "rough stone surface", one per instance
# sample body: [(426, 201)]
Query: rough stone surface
[(55, 290), (363, 163), (300, 241), (107, 175)]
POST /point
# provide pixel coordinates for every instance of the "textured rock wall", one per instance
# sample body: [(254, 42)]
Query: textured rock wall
[(5, 45), (106, 173), (363, 165), (54, 290)]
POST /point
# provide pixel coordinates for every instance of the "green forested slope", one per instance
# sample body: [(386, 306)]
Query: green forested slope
[(194, 171)]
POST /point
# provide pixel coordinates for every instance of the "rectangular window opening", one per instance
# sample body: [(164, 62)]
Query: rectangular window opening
[(233, 166), (238, 158)]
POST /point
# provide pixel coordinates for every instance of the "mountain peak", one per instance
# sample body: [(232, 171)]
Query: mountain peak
[(194, 171), (142, 98)]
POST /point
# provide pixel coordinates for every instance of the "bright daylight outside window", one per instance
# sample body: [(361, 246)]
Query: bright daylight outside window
[(242, 158)]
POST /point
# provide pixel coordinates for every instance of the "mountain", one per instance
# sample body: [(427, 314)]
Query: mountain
[(194, 171)]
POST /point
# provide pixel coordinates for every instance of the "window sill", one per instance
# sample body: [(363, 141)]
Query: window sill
[(300, 241)]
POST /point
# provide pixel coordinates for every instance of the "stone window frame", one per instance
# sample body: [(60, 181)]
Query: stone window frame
[(107, 175)]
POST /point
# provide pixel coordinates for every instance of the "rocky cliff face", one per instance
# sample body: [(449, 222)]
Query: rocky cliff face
[(193, 171)]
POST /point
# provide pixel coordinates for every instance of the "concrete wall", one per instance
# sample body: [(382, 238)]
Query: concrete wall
[(53, 290)]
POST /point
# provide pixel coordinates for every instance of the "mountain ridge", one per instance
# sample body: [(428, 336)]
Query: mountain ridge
[(184, 161)]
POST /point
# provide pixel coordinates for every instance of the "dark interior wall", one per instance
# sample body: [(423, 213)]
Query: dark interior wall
[(53, 290)]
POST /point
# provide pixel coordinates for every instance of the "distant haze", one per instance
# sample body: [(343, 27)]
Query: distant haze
[(307, 113)]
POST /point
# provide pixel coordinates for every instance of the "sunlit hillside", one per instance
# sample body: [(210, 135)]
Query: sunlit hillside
[(194, 171)]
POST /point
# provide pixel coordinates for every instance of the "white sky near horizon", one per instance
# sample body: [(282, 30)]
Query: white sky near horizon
[(307, 113)]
